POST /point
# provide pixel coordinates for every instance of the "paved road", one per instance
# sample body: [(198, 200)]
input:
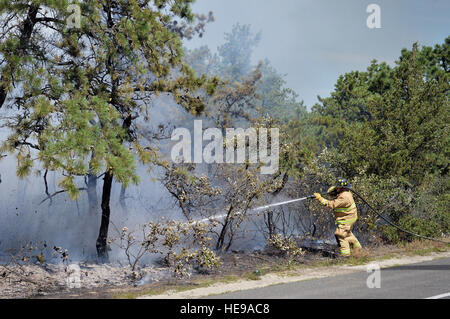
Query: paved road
[(421, 280)]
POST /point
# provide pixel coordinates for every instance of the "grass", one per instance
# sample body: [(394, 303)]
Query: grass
[(255, 274), (421, 248), (176, 287), (155, 291)]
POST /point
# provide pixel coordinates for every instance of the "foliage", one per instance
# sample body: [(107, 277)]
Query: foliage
[(387, 130), (83, 89), (83, 96), (277, 100), (182, 245), (192, 193), (236, 52), (286, 246), (420, 226), (245, 88), (235, 101), (409, 132), (75, 96)]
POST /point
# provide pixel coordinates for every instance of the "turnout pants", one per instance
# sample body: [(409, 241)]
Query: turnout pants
[(346, 239)]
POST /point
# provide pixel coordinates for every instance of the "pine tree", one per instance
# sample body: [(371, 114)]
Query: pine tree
[(77, 92), (236, 52)]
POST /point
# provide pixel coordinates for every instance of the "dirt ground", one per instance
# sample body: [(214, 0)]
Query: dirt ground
[(83, 280), (59, 280)]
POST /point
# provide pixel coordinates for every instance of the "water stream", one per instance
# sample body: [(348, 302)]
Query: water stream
[(257, 209)]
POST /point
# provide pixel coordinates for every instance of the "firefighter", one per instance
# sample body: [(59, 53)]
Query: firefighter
[(345, 212)]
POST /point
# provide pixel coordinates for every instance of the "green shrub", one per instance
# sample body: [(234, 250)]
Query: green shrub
[(420, 226), (443, 220)]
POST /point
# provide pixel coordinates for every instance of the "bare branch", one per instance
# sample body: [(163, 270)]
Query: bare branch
[(59, 192)]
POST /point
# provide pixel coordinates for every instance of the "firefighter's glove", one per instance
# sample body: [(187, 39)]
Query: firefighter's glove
[(319, 197), (332, 191)]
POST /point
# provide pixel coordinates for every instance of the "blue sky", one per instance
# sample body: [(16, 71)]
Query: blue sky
[(314, 41)]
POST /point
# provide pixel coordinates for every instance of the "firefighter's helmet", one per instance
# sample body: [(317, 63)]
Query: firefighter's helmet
[(343, 183)]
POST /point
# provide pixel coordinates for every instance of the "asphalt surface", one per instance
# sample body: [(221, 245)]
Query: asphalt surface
[(416, 281)]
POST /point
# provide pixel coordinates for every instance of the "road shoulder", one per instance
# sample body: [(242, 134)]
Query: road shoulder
[(301, 274)]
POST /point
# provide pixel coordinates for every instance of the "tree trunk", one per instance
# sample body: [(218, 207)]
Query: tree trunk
[(102, 247), (221, 240), (270, 224)]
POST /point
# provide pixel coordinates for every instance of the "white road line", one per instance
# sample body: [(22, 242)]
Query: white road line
[(447, 294)]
